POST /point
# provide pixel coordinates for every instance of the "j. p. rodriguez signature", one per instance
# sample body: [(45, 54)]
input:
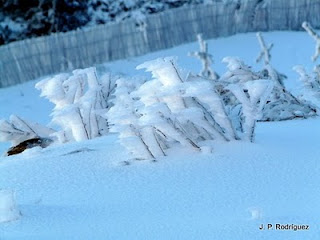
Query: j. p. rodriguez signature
[(279, 226)]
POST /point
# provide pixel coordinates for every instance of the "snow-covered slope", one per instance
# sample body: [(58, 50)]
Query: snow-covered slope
[(66, 194), (85, 191)]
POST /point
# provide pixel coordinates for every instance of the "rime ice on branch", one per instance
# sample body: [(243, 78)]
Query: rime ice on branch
[(315, 36), (206, 59)]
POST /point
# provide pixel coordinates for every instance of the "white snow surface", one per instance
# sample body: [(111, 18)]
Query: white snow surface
[(83, 190), (8, 209)]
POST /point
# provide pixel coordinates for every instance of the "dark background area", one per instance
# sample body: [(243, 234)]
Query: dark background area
[(21, 19)]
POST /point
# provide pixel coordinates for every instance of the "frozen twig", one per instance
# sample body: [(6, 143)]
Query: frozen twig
[(315, 36), (206, 59), (265, 51)]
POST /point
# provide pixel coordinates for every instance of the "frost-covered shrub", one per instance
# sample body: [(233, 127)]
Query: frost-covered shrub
[(8, 208), (281, 104), (178, 108), (247, 96), (124, 119), (80, 99), (17, 130), (311, 84)]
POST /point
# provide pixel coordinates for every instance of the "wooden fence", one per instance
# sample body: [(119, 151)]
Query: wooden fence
[(32, 58)]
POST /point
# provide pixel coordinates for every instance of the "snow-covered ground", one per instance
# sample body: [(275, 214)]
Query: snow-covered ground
[(84, 191)]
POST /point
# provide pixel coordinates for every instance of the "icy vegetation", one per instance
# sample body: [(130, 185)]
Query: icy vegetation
[(80, 99), (311, 83), (176, 108), (282, 104)]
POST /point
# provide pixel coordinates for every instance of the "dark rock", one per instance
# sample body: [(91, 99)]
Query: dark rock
[(30, 143)]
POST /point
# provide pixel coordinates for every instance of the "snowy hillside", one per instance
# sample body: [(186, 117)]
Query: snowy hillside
[(84, 190)]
